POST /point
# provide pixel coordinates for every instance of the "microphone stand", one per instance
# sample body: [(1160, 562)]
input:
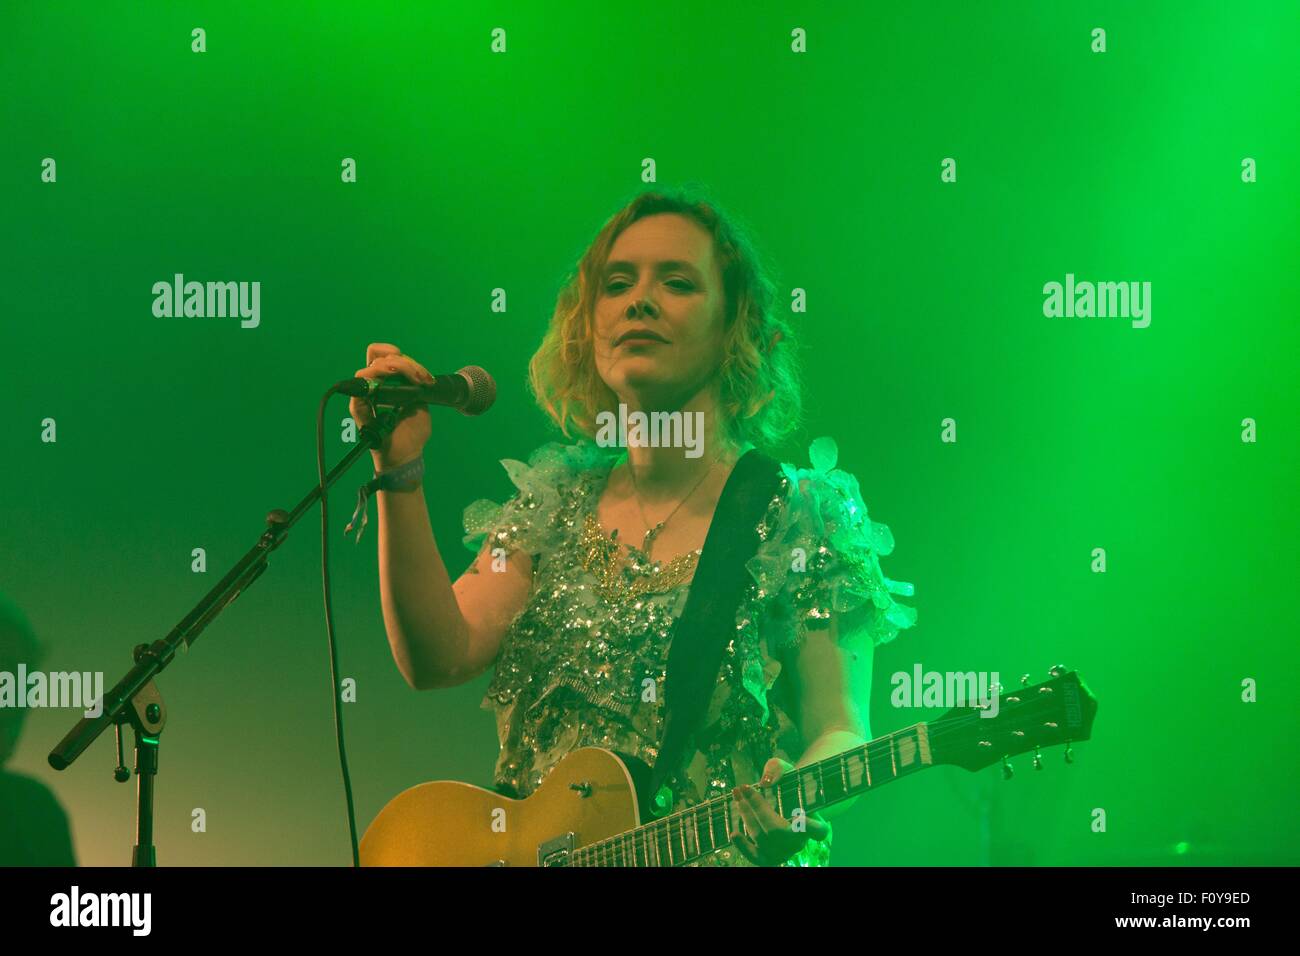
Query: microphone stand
[(135, 700)]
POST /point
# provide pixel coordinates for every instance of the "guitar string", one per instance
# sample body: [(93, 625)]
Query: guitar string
[(647, 836), (681, 837), (676, 829)]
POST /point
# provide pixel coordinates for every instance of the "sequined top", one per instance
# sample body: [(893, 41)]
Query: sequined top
[(583, 663)]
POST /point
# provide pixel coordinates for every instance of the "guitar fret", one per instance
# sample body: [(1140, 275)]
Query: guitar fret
[(883, 764), (676, 839)]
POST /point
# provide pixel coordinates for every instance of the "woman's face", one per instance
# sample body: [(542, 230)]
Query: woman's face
[(661, 279)]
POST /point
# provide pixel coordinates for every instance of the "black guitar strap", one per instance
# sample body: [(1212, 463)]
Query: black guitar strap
[(708, 622)]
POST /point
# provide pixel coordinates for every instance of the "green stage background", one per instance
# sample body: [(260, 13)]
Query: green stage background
[(481, 170)]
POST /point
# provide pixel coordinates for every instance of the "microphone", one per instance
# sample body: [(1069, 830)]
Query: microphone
[(471, 390)]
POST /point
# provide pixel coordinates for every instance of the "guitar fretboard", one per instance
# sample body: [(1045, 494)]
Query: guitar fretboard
[(704, 828)]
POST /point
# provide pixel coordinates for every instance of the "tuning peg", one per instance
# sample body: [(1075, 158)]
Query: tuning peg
[(1038, 759), (1007, 770), (1069, 757), (1057, 670), (1024, 680)]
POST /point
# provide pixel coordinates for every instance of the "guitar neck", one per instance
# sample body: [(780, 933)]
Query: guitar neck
[(697, 831)]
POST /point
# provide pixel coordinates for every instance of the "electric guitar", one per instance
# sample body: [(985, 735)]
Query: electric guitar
[(587, 810)]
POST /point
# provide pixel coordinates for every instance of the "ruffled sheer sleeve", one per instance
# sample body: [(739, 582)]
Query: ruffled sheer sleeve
[(822, 556), (528, 521)]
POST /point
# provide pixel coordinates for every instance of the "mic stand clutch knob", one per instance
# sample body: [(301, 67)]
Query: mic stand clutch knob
[(120, 773)]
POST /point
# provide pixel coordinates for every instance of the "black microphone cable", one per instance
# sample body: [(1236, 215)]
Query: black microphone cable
[(480, 397), (329, 623)]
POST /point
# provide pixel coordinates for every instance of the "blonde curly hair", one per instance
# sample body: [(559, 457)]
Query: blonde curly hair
[(760, 388)]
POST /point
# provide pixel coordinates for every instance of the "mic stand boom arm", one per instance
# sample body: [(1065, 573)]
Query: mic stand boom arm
[(148, 718)]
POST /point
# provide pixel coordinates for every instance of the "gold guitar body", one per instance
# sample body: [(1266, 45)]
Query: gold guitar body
[(588, 796)]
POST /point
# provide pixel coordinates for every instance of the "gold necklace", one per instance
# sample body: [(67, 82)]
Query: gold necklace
[(646, 544), (601, 555)]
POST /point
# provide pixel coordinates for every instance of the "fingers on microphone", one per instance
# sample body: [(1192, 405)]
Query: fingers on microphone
[(379, 349), (405, 365), (384, 358), (402, 365)]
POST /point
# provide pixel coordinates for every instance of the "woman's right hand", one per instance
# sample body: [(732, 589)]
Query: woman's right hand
[(414, 428)]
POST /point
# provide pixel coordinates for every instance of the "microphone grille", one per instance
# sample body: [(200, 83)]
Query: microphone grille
[(482, 390)]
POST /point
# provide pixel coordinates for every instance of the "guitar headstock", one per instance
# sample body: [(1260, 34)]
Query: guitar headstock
[(1057, 711)]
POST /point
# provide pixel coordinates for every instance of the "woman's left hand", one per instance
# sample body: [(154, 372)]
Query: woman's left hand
[(770, 840)]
